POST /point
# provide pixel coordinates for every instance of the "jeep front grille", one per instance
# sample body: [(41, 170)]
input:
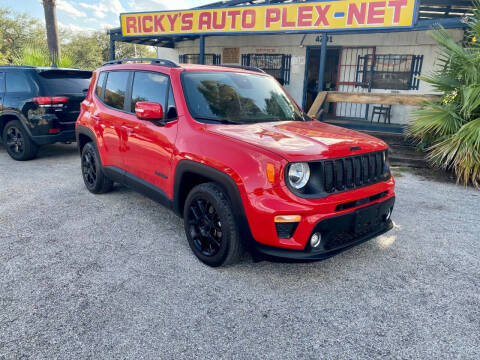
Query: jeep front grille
[(344, 174), (352, 172)]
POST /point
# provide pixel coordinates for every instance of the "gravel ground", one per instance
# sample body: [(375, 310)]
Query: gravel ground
[(112, 276)]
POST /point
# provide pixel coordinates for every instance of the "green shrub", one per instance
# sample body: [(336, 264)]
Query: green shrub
[(450, 129)]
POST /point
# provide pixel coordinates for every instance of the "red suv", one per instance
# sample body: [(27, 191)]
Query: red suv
[(227, 149)]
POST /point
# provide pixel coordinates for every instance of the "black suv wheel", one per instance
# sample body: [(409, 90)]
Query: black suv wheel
[(17, 142), (210, 226), (93, 176)]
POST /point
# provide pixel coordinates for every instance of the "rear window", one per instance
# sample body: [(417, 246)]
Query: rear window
[(64, 82)]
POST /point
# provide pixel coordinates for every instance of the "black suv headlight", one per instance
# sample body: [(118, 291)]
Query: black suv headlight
[(298, 174)]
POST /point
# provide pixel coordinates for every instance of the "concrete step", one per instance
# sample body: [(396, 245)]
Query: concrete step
[(402, 150), (408, 161)]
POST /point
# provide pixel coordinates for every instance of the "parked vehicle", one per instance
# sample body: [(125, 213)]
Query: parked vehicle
[(232, 153), (39, 106)]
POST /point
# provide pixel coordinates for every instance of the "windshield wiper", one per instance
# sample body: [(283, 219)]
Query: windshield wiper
[(217, 120)]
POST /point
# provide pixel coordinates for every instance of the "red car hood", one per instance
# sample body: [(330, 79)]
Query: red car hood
[(302, 140)]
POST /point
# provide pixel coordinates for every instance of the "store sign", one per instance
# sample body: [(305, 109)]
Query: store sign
[(293, 17)]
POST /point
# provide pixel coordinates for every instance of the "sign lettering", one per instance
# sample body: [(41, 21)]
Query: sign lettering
[(321, 16)]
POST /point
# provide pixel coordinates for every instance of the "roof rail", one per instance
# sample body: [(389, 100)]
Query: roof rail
[(153, 61), (250, 68)]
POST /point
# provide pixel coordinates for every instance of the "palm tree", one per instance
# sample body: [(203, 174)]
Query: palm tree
[(52, 30), (450, 129)]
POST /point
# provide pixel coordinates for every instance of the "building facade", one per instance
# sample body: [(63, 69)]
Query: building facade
[(385, 59)]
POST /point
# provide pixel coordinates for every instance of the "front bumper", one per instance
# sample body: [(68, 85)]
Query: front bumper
[(340, 232)]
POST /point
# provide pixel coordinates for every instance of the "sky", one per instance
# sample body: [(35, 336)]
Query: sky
[(85, 15)]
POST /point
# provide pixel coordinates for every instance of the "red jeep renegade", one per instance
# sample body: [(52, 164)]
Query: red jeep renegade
[(232, 153)]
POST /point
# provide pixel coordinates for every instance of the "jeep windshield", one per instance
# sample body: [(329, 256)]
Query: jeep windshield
[(237, 98)]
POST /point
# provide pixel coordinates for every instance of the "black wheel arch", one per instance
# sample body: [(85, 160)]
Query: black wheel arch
[(190, 173), (7, 116), (84, 135)]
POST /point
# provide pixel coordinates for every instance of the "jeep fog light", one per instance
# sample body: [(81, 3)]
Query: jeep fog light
[(298, 175), (315, 240)]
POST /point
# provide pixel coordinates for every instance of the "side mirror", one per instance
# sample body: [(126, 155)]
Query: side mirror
[(149, 110)]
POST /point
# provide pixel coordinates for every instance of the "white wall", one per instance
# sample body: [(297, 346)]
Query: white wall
[(411, 43)]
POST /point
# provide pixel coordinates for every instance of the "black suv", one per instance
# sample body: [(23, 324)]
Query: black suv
[(39, 106)]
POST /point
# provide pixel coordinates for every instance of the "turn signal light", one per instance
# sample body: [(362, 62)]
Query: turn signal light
[(271, 172), (287, 218)]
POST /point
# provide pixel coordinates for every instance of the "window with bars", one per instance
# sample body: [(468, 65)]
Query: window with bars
[(210, 59), (392, 72), (277, 65)]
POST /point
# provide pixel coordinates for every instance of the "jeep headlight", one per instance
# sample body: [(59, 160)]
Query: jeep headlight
[(298, 174)]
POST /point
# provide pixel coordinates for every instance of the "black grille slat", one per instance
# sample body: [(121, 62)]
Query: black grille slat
[(365, 169), (372, 167), (357, 169), (339, 174), (328, 177), (378, 158), (349, 180)]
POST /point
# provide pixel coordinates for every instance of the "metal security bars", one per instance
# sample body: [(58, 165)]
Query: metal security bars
[(277, 65), (390, 72), (210, 59), (347, 81)]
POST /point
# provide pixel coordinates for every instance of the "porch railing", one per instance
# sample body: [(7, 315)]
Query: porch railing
[(316, 110)]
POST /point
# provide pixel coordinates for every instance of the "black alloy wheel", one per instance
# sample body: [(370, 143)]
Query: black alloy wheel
[(211, 227), (15, 141), (92, 171), (205, 227), (89, 169)]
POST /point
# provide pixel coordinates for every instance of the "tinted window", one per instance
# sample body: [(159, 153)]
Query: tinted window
[(238, 98), (171, 108), (116, 88), (100, 80), (149, 86), (57, 82), (17, 82)]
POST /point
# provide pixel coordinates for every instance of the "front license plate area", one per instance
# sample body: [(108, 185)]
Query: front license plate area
[(367, 218)]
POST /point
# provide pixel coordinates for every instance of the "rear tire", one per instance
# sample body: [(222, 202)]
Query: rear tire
[(210, 226), (18, 143), (92, 172)]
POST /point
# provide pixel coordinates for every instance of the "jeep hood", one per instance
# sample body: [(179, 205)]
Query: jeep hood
[(302, 140)]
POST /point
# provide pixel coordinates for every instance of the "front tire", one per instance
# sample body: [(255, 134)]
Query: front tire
[(93, 176), (210, 226), (18, 143)]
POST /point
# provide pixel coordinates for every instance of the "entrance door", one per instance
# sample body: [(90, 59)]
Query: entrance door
[(351, 63), (312, 75)]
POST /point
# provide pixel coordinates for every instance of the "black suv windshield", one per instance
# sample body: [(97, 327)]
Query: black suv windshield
[(65, 81), (239, 98)]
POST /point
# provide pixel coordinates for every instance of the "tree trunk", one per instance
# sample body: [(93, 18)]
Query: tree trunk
[(52, 30)]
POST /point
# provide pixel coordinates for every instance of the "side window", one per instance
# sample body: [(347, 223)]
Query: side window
[(171, 108), (149, 86), (100, 82), (115, 89), (17, 82)]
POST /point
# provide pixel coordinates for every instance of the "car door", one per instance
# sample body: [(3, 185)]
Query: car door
[(151, 144), (108, 116)]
